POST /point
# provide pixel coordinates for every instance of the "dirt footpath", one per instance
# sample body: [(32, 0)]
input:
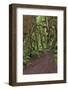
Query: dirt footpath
[(40, 65)]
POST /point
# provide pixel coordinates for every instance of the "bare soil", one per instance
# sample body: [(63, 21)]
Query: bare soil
[(40, 65)]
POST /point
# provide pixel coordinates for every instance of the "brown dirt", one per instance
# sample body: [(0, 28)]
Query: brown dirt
[(43, 64)]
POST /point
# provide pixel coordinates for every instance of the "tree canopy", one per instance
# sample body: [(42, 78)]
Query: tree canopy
[(41, 35)]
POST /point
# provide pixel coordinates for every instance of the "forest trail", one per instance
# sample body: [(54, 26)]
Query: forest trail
[(40, 65)]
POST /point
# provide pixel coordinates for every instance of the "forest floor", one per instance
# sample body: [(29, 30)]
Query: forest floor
[(40, 65)]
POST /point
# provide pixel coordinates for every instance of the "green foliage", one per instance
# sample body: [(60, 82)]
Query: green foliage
[(42, 35)]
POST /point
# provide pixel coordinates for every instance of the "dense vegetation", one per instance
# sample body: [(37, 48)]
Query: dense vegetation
[(42, 36)]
